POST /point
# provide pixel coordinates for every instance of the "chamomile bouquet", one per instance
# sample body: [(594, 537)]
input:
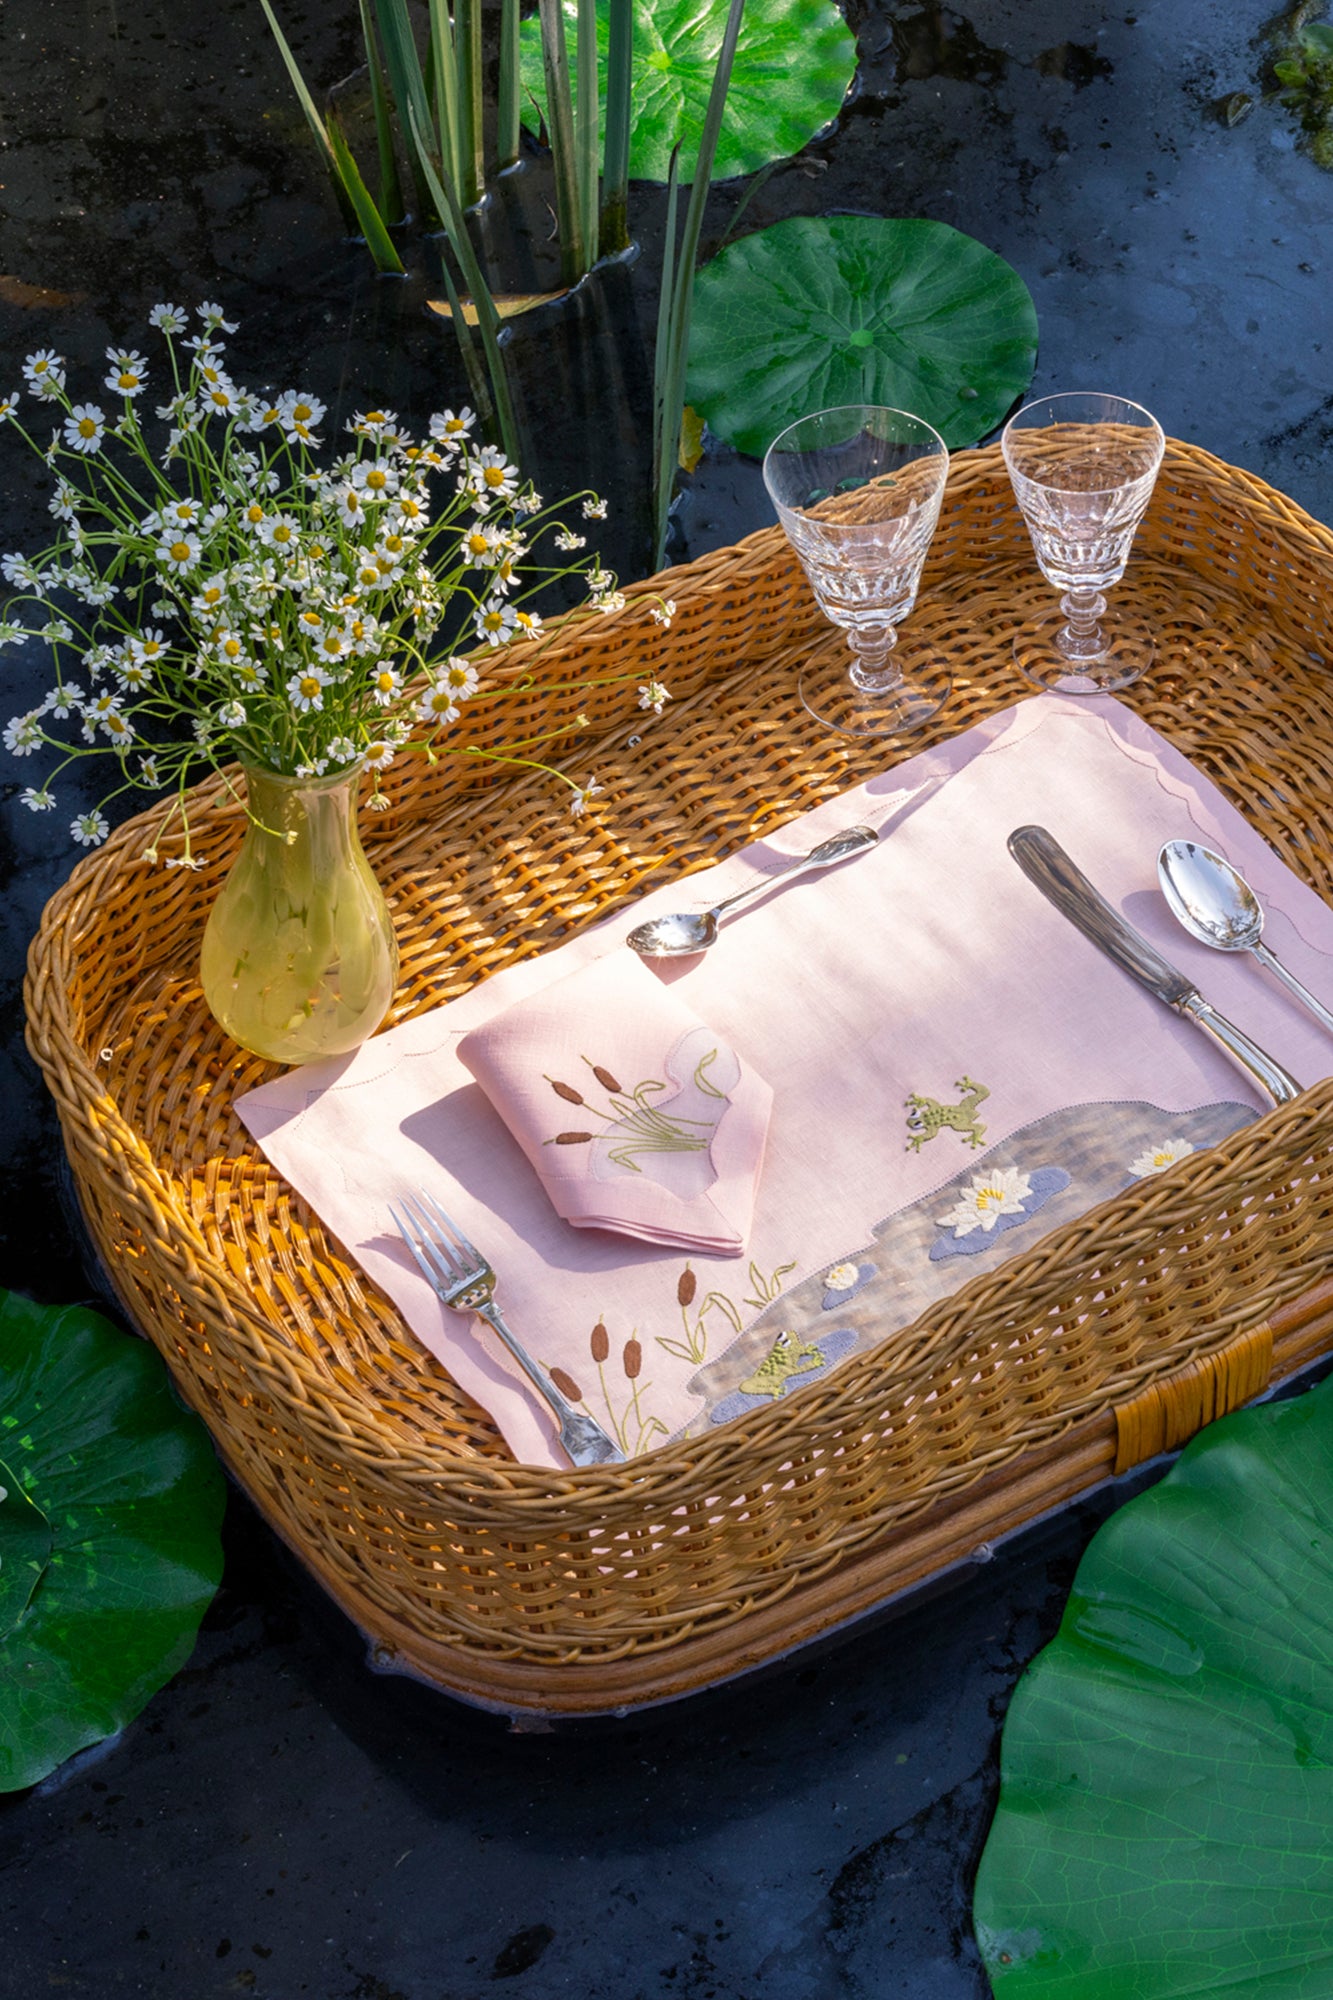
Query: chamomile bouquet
[(232, 594)]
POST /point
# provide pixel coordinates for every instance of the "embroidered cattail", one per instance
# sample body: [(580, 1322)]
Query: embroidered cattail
[(565, 1090), (600, 1343), (686, 1287), (567, 1386), (633, 1359), (605, 1078), (571, 1138)]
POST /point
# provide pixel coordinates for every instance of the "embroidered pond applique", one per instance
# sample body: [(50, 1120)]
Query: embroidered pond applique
[(651, 1128), (790, 1363), (1159, 1157), (992, 1203), (843, 1282), (926, 1116)]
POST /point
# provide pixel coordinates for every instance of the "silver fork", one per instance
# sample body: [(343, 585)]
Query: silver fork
[(458, 1274)]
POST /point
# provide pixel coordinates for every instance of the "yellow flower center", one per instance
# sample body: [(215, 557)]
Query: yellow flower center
[(310, 685), (494, 475), (180, 551), (87, 428), (127, 379), (376, 479)]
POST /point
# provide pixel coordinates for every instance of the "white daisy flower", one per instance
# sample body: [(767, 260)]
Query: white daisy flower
[(459, 676), (129, 371), (609, 600), (349, 504), (300, 414), (16, 569), (179, 553), (9, 407), (1158, 1158), (437, 705), (342, 750), (89, 829), (64, 700), (984, 1200), (376, 479), (565, 540), (36, 798), (491, 475), (149, 773), (663, 613), (450, 429), (379, 756), (408, 512), (12, 634), (653, 695), (282, 533), (44, 372), (528, 503), (594, 510), (23, 735), (527, 624), (494, 623), (250, 673), (306, 688), (374, 423), (119, 728), (481, 547), (385, 684), (211, 315), (231, 715), (168, 318), (578, 805), (85, 427)]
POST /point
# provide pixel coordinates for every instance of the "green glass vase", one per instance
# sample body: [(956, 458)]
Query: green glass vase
[(299, 957)]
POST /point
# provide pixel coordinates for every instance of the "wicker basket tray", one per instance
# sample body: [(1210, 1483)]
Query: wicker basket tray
[(1113, 1338)]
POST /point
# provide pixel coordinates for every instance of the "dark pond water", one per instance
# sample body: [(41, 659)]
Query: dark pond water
[(279, 1823)]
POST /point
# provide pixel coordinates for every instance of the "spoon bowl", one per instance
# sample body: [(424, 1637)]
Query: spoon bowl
[(1208, 897), (685, 933), (1215, 904)]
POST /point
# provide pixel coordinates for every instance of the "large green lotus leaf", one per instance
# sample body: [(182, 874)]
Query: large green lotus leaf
[(795, 60), (1165, 1825), (820, 311), (131, 1496)]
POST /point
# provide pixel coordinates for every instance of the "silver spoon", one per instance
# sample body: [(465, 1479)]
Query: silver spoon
[(687, 931), (1215, 904)]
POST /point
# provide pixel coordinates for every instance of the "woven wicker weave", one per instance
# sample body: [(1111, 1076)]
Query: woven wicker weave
[(1113, 1337)]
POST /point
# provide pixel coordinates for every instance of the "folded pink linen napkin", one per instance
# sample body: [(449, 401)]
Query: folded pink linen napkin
[(634, 1115)]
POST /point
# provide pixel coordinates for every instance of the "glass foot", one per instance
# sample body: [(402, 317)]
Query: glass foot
[(1128, 648), (833, 698)]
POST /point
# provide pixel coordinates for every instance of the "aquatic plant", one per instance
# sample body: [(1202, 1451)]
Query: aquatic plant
[(110, 1509)]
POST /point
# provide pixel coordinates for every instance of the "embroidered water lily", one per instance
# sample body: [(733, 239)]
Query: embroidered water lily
[(841, 1277), (984, 1200), (1158, 1158)]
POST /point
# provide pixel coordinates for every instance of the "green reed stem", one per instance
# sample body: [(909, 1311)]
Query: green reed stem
[(615, 159), (574, 258), (508, 122), (669, 362)]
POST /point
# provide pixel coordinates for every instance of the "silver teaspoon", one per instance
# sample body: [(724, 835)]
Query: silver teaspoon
[(687, 931), (1214, 903)]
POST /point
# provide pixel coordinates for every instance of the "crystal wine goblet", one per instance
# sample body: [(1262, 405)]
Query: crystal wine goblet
[(1083, 469), (858, 491)]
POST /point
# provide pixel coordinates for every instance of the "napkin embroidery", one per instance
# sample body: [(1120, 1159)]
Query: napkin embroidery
[(667, 1139)]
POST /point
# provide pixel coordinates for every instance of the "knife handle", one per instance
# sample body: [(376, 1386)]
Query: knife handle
[(1269, 1075)]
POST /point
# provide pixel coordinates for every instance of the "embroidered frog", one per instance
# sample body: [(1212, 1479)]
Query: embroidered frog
[(926, 1115), (789, 1355)]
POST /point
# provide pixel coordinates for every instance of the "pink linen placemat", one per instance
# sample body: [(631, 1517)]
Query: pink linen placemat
[(954, 1068)]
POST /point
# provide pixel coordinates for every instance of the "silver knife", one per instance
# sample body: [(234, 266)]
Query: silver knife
[(1045, 863)]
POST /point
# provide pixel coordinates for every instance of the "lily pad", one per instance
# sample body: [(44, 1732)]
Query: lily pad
[(1167, 1773), (109, 1544), (795, 61), (815, 312)]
